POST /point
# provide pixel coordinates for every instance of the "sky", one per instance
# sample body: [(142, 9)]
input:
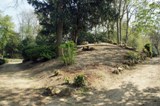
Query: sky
[(11, 8)]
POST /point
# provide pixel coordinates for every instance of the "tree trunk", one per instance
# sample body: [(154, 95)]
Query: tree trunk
[(156, 46), (120, 30), (127, 28), (59, 36), (59, 30), (76, 29), (3, 52), (118, 37), (108, 30), (112, 28), (75, 35)]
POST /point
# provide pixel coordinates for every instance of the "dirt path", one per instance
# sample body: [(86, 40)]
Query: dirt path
[(137, 87), (17, 88)]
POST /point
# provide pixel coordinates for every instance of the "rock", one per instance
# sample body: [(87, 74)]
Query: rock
[(56, 91), (65, 92), (126, 67), (120, 69), (85, 43), (90, 93), (56, 73), (116, 71), (47, 92), (63, 100)]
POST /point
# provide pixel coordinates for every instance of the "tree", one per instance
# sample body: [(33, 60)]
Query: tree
[(28, 24), (6, 30), (12, 47), (71, 16), (147, 16), (131, 8), (120, 6), (155, 39)]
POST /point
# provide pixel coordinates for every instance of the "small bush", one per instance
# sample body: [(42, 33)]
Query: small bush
[(68, 52), (154, 51), (79, 81), (143, 54), (148, 47), (151, 50), (2, 61), (133, 58), (67, 80), (36, 53), (86, 36)]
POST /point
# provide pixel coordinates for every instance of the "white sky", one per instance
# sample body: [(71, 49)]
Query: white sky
[(9, 7)]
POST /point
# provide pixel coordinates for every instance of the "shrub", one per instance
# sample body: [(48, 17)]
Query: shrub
[(136, 41), (67, 80), (92, 38), (148, 47), (68, 52), (151, 50), (37, 53), (143, 54), (133, 58), (86, 36), (154, 51), (79, 81), (2, 61)]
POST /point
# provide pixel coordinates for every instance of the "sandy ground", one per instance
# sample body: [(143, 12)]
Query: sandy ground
[(137, 87)]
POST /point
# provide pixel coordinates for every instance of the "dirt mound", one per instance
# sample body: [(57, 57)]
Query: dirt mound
[(20, 83)]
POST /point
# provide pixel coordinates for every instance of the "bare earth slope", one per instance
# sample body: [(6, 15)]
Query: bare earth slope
[(137, 87)]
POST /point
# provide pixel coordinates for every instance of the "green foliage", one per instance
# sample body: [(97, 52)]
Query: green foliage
[(148, 47), (79, 81), (151, 50), (6, 30), (132, 58), (68, 52), (102, 37), (147, 16), (45, 40), (67, 80), (92, 38), (154, 51), (136, 41), (2, 61), (37, 53), (12, 49), (86, 36), (83, 15)]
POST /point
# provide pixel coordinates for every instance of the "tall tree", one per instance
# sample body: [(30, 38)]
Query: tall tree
[(6, 30), (28, 24), (71, 16), (131, 8)]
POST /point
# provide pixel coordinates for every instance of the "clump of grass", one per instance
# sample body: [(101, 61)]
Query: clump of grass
[(79, 81)]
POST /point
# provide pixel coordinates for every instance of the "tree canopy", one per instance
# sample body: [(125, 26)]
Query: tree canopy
[(69, 17), (6, 30)]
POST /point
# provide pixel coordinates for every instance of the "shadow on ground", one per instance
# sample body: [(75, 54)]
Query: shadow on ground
[(19, 97), (126, 95), (153, 61)]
